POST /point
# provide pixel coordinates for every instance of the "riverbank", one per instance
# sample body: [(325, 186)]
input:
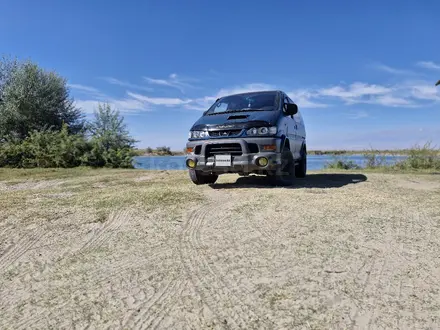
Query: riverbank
[(139, 249), (163, 151), (336, 152)]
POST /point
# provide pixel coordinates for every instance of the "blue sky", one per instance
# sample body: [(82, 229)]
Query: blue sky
[(362, 73)]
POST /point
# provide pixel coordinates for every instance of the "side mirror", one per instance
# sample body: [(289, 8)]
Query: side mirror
[(291, 109), (204, 112)]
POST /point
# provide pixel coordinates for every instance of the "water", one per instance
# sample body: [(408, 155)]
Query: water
[(314, 162)]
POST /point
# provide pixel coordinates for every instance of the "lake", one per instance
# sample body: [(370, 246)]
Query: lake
[(314, 162)]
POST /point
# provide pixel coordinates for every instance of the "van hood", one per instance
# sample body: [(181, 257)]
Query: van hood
[(235, 120)]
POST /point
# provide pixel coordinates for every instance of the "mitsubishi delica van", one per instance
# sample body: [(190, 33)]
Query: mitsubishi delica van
[(257, 132)]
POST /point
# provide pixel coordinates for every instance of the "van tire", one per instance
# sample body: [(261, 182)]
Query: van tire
[(301, 167), (285, 174), (197, 177)]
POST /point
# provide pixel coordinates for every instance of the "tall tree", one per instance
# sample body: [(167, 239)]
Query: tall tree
[(112, 146), (109, 129), (34, 99)]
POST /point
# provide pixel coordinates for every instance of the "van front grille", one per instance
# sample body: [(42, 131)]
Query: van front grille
[(225, 133), (233, 149)]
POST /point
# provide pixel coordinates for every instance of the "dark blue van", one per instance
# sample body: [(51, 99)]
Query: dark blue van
[(257, 132)]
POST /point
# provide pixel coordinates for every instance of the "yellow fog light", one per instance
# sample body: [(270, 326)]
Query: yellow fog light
[(190, 163), (262, 161)]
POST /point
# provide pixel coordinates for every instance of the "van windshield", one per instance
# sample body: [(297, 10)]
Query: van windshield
[(259, 101)]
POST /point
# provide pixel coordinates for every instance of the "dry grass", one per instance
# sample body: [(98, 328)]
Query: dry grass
[(131, 249)]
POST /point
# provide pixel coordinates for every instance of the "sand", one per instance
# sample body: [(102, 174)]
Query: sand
[(334, 251)]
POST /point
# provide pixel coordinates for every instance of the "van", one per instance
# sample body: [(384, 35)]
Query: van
[(259, 132)]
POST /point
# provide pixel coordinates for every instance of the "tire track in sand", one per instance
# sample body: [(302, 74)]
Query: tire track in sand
[(152, 311), (97, 278), (116, 219), (220, 298), (20, 248)]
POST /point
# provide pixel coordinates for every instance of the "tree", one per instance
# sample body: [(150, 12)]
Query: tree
[(164, 150), (112, 146), (34, 99), (109, 128), (7, 67)]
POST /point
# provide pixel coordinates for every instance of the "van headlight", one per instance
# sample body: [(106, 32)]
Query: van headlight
[(257, 131), (198, 134)]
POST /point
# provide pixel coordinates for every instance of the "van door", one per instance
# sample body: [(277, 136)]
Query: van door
[(291, 130), (301, 132)]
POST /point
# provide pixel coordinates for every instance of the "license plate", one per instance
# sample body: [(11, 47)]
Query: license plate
[(223, 160)]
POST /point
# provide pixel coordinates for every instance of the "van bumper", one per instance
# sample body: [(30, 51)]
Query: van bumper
[(246, 162)]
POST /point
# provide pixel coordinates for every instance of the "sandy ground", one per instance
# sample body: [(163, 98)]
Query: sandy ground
[(150, 250)]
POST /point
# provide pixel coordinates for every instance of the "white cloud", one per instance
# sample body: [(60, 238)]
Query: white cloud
[(355, 90), (389, 101), (88, 91), (83, 88), (407, 93), (254, 87), (426, 92), (428, 65), (201, 104), (303, 98), (173, 81), (123, 105), (118, 82), (94, 97), (166, 101), (87, 106), (389, 69)]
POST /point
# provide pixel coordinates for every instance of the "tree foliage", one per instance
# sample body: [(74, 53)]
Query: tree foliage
[(46, 148), (32, 99), (107, 144), (41, 127), (110, 141), (109, 130)]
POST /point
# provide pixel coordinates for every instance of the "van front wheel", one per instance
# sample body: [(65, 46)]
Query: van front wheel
[(301, 167), (198, 177), (285, 175)]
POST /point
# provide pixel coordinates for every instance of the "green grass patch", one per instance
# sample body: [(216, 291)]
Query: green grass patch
[(424, 158), (341, 164), (94, 194)]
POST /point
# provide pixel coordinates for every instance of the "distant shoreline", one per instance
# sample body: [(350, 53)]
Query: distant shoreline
[(143, 153), (360, 152)]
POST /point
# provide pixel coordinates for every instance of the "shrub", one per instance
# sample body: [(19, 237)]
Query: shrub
[(341, 164), (47, 148), (110, 143), (421, 158), (164, 151), (98, 156), (374, 160)]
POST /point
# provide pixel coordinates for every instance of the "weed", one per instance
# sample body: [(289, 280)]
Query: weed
[(342, 164)]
